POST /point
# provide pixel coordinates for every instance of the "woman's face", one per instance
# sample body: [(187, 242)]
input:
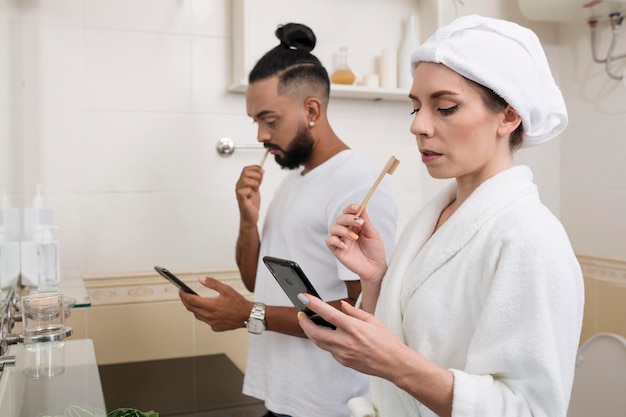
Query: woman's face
[(457, 135)]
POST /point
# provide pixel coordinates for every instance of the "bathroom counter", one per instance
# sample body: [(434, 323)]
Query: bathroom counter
[(78, 387), (207, 386)]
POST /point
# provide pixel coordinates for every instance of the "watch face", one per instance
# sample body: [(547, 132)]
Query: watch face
[(255, 326)]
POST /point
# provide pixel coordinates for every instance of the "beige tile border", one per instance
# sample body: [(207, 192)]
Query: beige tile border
[(603, 269), (150, 287)]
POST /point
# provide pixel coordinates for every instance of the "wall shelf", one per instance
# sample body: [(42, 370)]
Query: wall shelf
[(253, 36), (358, 92)]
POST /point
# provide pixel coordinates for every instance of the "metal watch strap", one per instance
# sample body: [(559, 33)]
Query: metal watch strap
[(258, 311), (256, 322)]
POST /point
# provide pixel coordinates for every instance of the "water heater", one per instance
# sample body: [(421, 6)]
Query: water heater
[(570, 10)]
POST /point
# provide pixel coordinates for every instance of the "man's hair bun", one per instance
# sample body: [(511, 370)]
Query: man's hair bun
[(296, 36)]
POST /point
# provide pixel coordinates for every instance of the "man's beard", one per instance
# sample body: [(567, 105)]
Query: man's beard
[(298, 151)]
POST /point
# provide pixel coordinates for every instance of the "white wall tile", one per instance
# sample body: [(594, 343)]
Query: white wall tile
[(212, 77), (10, 64), (594, 220), (211, 171), (136, 151), (71, 219), (211, 228), (593, 150), (135, 231), (51, 62), (545, 162), (134, 71), (59, 12), (53, 144), (212, 17), (168, 16), (11, 151), (119, 116)]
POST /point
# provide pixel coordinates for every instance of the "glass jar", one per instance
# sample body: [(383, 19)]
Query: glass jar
[(342, 74)]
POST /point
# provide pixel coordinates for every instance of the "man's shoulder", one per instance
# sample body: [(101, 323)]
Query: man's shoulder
[(354, 161)]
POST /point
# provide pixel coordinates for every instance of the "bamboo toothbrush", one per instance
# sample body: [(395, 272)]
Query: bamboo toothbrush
[(389, 168), (264, 156)]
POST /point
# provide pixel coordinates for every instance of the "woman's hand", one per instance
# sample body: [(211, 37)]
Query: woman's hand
[(360, 341), (357, 244)]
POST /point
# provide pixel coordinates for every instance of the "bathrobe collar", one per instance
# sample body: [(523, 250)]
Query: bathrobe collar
[(433, 250)]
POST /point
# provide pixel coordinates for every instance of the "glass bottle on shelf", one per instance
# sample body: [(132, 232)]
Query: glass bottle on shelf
[(410, 41), (342, 74)]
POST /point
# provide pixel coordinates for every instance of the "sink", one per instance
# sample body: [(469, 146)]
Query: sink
[(78, 388)]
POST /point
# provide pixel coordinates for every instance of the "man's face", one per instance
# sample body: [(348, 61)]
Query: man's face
[(281, 123)]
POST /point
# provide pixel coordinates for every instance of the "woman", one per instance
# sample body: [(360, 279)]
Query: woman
[(480, 309)]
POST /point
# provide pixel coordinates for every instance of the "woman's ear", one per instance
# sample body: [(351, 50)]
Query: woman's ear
[(510, 121)]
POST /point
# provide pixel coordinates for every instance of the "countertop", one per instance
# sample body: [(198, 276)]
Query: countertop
[(78, 389)]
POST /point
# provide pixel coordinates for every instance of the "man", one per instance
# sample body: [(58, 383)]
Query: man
[(288, 98)]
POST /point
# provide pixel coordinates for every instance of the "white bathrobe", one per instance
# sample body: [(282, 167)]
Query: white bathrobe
[(495, 296)]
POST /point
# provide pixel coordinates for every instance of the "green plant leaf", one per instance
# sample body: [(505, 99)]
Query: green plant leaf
[(132, 412)]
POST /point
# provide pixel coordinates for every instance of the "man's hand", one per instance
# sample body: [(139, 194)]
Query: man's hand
[(229, 310)]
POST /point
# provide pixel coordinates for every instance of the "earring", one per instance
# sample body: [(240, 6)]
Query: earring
[(311, 123)]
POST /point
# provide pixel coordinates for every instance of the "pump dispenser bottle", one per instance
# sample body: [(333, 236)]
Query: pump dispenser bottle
[(48, 257), (9, 242), (38, 214), (9, 259), (36, 218), (9, 218)]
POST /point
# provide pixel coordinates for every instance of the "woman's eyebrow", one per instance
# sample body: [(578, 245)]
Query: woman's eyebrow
[(436, 94)]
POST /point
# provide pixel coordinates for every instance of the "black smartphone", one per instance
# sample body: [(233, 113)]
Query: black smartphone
[(174, 280), (292, 280)]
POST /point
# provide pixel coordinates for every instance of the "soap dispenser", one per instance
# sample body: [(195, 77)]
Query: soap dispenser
[(9, 242), (9, 259), (9, 218), (37, 214), (35, 218), (48, 260)]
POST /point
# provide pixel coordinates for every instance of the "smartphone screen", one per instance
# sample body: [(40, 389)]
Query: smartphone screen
[(293, 281), (174, 280)]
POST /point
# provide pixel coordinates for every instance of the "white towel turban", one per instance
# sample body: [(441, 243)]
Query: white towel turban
[(508, 59)]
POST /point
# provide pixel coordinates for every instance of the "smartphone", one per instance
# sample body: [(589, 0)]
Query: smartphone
[(174, 280), (293, 281)]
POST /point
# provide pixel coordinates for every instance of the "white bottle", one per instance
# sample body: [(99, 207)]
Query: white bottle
[(38, 214), (389, 68), (9, 259), (48, 261), (29, 259), (410, 41), (9, 218)]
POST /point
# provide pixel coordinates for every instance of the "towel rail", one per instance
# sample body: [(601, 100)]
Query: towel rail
[(226, 146)]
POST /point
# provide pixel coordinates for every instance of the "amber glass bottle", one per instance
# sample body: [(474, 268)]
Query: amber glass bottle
[(343, 74)]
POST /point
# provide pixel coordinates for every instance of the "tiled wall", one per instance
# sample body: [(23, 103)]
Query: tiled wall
[(116, 106), (140, 317), (605, 292)]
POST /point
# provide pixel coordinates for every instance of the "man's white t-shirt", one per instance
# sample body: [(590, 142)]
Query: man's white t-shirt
[(290, 373)]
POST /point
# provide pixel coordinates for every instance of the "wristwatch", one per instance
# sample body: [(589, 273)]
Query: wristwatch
[(256, 322)]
